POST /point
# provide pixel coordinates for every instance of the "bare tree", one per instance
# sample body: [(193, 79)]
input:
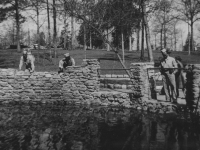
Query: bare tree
[(54, 22), (176, 33), (9, 34), (17, 24), (145, 29), (37, 7), (14, 10), (189, 12), (150, 54), (142, 28), (49, 26), (72, 32), (138, 38), (65, 27), (3, 12), (164, 15)]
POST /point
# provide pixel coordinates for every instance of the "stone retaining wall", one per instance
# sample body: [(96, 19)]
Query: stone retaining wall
[(75, 84), (80, 84), (193, 86)]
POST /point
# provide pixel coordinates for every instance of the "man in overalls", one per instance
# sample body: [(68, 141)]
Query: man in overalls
[(28, 60), (65, 62), (168, 75)]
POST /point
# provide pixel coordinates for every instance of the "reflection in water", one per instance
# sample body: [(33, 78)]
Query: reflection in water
[(94, 128)]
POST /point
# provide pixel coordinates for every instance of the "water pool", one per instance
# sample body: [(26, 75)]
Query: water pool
[(47, 127)]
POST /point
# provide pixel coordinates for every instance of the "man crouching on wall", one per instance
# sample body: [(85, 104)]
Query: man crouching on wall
[(28, 60), (65, 62)]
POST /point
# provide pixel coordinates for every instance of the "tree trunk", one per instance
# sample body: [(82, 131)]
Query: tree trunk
[(17, 25), (148, 41), (155, 42), (122, 34), (38, 26), (54, 29), (189, 38), (49, 32), (108, 46), (130, 43), (138, 38), (72, 33), (182, 40), (191, 41), (165, 41), (29, 37), (84, 37), (49, 27), (172, 46), (65, 34), (90, 40), (149, 48), (142, 42), (164, 30), (161, 36), (54, 23), (175, 41), (38, 31), (13, 34)]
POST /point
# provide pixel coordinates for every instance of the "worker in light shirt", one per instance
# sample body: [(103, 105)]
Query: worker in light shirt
[(28, 60), (167, 64)]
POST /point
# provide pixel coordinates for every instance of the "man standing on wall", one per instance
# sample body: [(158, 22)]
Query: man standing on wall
[(167, 64), (65, 62), (28, 60)]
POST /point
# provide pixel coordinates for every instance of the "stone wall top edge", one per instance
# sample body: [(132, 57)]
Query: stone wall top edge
[(194, 64), (7, 69), (94, 59), (143, 63), (71, 67), (75, 67), (24, 72), (18, 72)]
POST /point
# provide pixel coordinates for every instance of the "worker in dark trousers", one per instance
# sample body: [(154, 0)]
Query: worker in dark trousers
[(65, 62), (153, 87), (28, 60)]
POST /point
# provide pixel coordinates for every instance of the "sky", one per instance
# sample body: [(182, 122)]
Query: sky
[(31, 25)]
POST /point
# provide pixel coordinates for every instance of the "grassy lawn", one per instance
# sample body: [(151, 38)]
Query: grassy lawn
[(10, 58)]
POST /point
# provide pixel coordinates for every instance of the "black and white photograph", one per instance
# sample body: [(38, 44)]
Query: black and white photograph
[(99, 74)]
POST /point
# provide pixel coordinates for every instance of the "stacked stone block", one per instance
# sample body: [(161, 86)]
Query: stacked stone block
[(114, 98), (140, 80)]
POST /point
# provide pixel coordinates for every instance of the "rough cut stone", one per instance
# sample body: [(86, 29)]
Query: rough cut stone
[(80, 85)]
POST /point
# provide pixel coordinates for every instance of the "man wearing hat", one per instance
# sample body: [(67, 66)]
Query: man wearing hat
[(28, 59), (167, 64), (65, 62)]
